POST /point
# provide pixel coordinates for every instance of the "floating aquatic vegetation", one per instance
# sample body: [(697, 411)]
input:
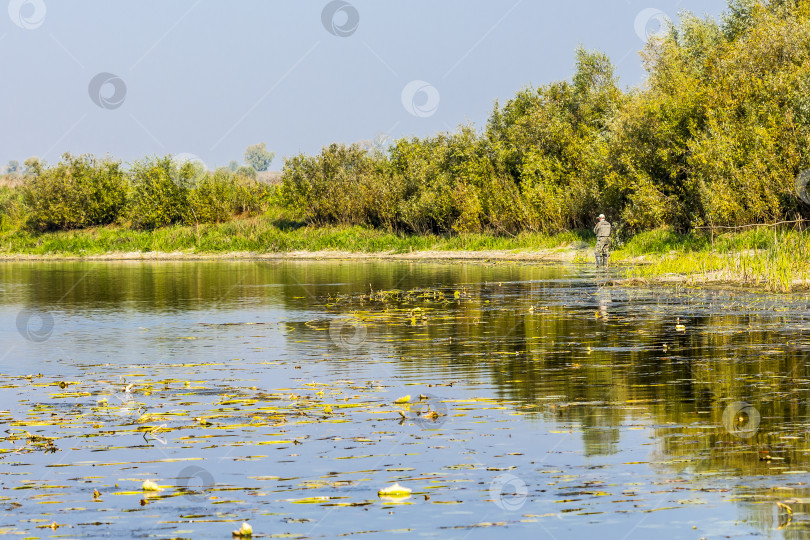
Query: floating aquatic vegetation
[(245, 531), (274, 424)]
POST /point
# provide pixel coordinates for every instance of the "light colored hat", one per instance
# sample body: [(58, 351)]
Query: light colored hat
[(601, 216)]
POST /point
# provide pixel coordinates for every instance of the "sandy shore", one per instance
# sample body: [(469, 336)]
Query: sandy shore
[(567, 254)]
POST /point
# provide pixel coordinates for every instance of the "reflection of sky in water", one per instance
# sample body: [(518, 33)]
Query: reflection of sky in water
[(584, 393)]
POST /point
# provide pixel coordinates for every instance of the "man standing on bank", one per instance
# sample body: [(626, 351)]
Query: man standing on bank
[(602, 232)]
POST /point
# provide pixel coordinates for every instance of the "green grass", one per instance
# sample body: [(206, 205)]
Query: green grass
[(260, 234), (776, 260), (661, 241), (665, 240)]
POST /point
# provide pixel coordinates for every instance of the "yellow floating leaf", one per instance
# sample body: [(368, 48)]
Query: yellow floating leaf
[(309, 500)]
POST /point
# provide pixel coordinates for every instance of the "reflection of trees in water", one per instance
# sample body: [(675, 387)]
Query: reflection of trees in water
[(542, 344), (143, 286), (527, 334), (532, 341), (547, 342), (575, 352), (599, 425), (185, 285)]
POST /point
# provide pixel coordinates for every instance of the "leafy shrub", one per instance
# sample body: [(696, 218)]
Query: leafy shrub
[(12, 208), (82, 192), (333, 187), (160, 192), (78, 192), (218, 197)]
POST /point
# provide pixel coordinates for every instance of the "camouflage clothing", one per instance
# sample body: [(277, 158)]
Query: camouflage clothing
[(602, 232)]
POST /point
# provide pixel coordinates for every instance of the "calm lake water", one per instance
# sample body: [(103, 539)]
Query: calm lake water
[(552, 404)]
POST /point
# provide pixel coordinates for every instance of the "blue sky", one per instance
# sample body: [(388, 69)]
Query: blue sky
[(132, 78)]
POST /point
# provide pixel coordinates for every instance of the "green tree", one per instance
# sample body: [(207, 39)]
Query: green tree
[(552, 142), (13, 167), (160, 192), (78, 192), (258, 157)]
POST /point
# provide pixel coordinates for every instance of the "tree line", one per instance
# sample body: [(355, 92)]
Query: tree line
[(83, 191), (257, 157), (716, 136)]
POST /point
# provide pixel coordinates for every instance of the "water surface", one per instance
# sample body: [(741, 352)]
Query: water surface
[(553, 405)]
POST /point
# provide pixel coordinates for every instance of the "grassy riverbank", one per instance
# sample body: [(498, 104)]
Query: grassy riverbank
[(761, 257), (260, 235), (757, 257)]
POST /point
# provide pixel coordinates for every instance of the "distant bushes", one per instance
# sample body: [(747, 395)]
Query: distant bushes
[(441, 184), (159, 192), (78, 192), (338, 186), (81, 191), (218, 197), (536, 167), (715, 137), (12, 208)]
